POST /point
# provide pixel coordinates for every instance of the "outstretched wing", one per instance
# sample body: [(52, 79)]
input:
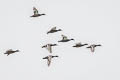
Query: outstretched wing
[(54, 28), (64, 37), (45, 57), (88, 47)]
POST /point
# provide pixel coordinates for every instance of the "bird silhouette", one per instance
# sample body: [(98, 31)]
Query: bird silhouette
[(79, 45), (49, 58), (65, 39), (92, 47), (10, 51), (53, 30), (49, 47), (36, 13)]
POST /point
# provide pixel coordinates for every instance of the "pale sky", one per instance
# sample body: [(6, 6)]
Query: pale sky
[(87, 21)]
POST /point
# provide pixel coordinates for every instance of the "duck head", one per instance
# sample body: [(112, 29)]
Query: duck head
[(71, 39), (48, 32), (59, 29), (56, 56), (17, 51), (43, 14)]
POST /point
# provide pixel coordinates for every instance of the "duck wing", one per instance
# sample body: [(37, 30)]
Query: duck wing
[(64, 37), (45, 57), (35, 11), (54, 28), (9, 50)]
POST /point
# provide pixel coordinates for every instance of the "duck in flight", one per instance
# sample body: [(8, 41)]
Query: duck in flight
[(65, 39), (36, 13), (10, 51), (92, 47), (49, 58), (49, 47), (79, 45), (53, 30)]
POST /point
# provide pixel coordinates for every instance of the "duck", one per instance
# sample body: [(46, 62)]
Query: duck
[(49, 47), (92, 47), (53, 30), (49, 58), (36, 14), (79, 45), (65, 39), (10, 51)]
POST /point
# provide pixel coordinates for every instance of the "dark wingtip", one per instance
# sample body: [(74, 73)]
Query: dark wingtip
[(85, 44), (43, 14), (72, 39), (87, 47), (73, 46), (59, 41), (56, 44), (47, 32), (56, 56), (99, 45)]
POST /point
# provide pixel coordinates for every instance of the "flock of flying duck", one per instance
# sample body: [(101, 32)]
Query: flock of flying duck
[(49, 46)]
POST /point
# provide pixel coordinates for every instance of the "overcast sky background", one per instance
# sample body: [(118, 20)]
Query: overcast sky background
[(87, 21)]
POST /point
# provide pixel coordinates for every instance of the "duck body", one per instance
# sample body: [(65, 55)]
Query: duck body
[(8, 52), (49, 58)]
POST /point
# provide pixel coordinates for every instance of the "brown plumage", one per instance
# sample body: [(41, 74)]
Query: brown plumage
[(10, 51)]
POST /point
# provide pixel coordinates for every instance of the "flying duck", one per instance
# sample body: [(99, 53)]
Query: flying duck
[(92, 47), (65, 39), (79, 45), (49, 47), (53, 30), (10, 51), (36, 14), (49, 58)]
